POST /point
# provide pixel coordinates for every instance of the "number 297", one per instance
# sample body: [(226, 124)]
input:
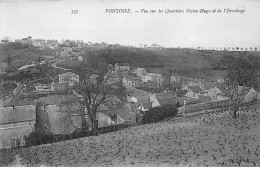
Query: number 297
[(74, 11)]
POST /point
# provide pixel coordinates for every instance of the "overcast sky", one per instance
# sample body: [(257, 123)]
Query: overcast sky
[(53, 20)]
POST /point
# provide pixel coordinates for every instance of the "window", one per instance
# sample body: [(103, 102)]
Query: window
[(30, 122)]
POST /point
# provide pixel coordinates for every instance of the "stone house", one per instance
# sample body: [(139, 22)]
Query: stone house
[(122, 67), (144, 107), (16, 123), (125, 113), (207, 86), (130, 81), (193, 92), (69, 77), (156, 79), (215, 92), (140, 72), (164, 101), (175, 78), (163, 95), (138, 96)]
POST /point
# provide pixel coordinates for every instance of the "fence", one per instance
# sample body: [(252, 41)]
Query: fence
[(207, 106), (47, 139), (14, 143), (213, 105)]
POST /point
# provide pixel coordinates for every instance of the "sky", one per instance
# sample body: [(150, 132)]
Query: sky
[(53, 20)]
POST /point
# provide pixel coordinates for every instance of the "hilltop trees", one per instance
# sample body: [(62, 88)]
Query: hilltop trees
[(238, 81)]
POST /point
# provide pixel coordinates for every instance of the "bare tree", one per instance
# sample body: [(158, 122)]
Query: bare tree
[(48, 72), (92, 93), (9, 60), (203, 75), (238, 81)]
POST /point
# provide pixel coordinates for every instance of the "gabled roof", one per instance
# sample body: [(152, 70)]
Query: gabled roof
[(124, 111), (166, 101), (240, 89), (195, 89), (122, 64), (209, 85), (153, 75), (221, 94), (141, 95), (53, 99), (147, 105), (131, 78), (165, 95), (68, 73), (18, 114), (192, 101), (203, 98), (140, 69)]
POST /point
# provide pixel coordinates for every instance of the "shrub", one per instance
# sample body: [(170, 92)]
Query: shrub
[(35, 138), (159, 113)]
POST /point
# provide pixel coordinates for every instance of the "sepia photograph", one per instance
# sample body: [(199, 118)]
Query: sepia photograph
[(130, 83)]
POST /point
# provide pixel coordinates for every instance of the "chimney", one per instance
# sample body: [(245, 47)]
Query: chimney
[(1, 102)]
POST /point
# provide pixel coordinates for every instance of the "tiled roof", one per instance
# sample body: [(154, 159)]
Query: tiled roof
[(18, 114), (53, 99), (68, 74), (129, 78), (165, 95), (141, 95), (203, 98), (165, 101), (192, 101), (147, 105), (123, 64), (221, 94), (195, 89), (140, 69), (209, 85), (124, 111)]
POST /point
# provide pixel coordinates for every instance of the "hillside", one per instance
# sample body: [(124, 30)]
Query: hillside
[(177, 59), (214, 139), (4, 52), (22, 55)]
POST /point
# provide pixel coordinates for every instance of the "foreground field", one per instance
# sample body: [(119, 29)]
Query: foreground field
[(215, 139)]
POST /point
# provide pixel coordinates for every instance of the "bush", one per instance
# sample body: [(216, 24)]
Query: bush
[(38, 139), (159, 113)]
